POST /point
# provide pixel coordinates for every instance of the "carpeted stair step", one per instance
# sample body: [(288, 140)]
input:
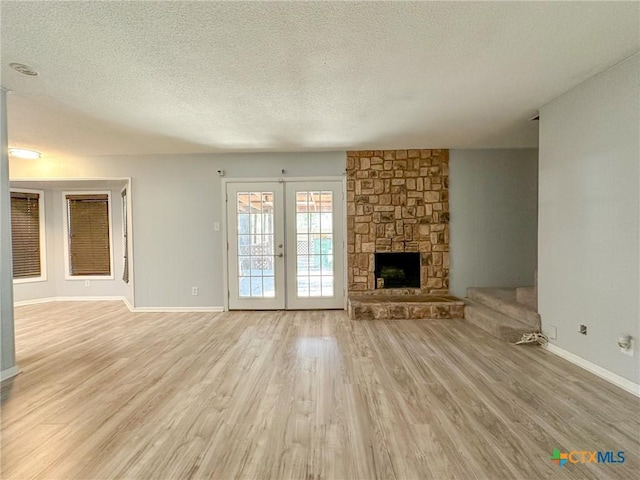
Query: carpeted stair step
[(528, 297), (504, 301), (494, 322)]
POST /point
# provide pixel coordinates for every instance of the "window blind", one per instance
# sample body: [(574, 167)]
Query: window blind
[(25, 234), (88, 227)]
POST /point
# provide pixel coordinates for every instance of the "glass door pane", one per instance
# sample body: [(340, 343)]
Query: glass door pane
[(314, 243), (255, 237)]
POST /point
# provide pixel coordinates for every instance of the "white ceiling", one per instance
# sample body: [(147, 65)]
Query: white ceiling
[(185, 77)]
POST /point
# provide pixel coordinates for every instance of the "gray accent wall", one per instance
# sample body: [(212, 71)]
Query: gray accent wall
[(176, 199), (493, 202), (7, 337), (590, 217)]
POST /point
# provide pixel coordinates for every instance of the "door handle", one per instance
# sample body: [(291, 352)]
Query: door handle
[(280, 255)]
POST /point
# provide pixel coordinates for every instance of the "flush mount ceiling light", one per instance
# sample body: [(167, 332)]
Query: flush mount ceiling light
[(24, 69), (24, 153)]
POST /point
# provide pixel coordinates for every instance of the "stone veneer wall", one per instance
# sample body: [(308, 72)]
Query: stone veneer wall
[(398, 201)]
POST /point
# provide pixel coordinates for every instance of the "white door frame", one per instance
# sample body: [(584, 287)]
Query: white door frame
[(293, 300), (278, 255), (225, 220)]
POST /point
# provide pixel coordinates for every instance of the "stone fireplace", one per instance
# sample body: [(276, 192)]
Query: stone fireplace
[(398, 235), (398, 202)]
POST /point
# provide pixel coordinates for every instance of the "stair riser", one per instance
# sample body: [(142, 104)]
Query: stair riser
[(527, 296), (523, 315)]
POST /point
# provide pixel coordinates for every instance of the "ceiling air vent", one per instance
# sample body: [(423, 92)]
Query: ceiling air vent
[(24, 69)]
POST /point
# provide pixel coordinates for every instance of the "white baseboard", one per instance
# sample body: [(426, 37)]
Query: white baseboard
[(35, 301), (170, 309), (611, 377), (129, 306), (176, 309), (9, 373), (121, 299), (90, 299)]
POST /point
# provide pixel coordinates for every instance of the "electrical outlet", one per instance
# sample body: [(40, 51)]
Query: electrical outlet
[(194, 290), (583, 329), (216, 226), (551, 331), (629, 351), (87, 283)]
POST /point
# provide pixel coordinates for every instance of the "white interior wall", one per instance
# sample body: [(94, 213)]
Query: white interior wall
[(176, 199), (589, 217), (493, 204)]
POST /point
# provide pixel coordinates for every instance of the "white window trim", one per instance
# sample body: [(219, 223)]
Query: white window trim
[(67, 269), (43, 239)]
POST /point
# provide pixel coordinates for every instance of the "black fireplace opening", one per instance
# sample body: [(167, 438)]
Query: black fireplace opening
[(397, 270)]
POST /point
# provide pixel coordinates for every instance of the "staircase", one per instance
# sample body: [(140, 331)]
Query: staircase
[(505, 313)]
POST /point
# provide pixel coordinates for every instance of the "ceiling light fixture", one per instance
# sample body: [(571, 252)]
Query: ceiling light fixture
[(24, 69), (24, 153)]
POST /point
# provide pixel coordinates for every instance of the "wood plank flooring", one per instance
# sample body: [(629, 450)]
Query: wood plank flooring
[(108, 394)]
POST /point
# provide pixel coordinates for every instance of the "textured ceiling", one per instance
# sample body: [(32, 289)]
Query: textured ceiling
[(185, 77)]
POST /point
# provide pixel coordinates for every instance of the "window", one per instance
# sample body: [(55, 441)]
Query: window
[(125, 237), (27, 235), (88, 232)]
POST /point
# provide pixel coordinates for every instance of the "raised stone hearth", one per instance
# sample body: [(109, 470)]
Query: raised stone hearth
[(384, 306)]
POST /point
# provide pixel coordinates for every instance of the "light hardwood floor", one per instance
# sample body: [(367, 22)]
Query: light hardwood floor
[(106, 393)]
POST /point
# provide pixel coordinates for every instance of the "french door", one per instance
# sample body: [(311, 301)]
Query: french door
[(285, 245)]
